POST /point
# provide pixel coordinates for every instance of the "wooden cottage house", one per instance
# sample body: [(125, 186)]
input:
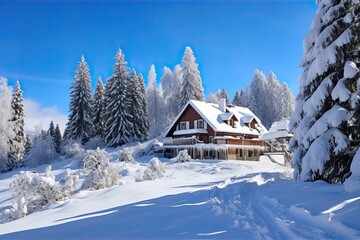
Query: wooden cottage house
[(215, 131)]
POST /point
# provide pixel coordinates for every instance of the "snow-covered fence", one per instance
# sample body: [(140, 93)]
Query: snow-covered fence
[(100, 173), (32, 191)]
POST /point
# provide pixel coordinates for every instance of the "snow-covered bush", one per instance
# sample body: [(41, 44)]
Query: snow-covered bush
[(182, 156), (100, 173), (73, 149), (32, 191), (95, 142), (42, 151), (125, 156), (155, 170)]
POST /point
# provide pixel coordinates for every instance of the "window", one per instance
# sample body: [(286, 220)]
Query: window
[(211, 139), (199, 124), (239, 152), (183, 125), (251, 153)]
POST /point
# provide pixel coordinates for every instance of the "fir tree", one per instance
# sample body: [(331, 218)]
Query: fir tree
[(99, 110), (118, 107), (57, 139), (237, 98), (223, 94), (327, 105), (27, 145), (136, 108), (154, 103), (6, 129), (191, 88), (51, 130), (17, 142), (144, 108), (79, 126)]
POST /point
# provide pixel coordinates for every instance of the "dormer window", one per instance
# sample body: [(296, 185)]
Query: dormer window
[(199, 124)]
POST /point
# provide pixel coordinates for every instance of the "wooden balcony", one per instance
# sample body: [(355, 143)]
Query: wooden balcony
[(236, 141)]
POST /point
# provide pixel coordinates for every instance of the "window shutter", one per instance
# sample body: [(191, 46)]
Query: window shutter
[(205, 125), (195, 124), (187, 125)]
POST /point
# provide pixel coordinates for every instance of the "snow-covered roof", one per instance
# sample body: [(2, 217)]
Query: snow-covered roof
[(275, 134), (247, 119), (225, 116), (280, 125), (190, 131), (277, 130), (212, 114)]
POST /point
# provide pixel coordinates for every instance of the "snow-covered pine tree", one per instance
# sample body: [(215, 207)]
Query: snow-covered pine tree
[(258, 89), (17, 142), (154, 103), (191, 88), (135, 95), (213, 98), (237, 98), (328, 96), (99, 109), (170, 90), (223, 94), (118, 116), (28, 144), (272, 97), (51, 130), (57, 139), (177, 78), (79, 125), (285, 102), (144, 109)]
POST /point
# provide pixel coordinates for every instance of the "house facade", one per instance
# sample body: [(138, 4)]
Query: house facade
[(215, 131)]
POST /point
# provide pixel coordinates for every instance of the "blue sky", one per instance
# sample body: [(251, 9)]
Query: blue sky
[(42, 42)]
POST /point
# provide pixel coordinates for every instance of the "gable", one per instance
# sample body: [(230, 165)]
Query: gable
[(189, 114)]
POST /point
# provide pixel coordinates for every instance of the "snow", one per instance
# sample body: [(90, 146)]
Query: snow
[(190, 131), (352, 184), (201, 199), (275, 134)]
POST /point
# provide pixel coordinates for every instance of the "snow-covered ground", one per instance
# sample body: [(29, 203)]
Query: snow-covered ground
[(199, 199)]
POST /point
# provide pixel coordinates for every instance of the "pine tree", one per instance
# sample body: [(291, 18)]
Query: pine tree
[(51, 130), (144, 109), (191, 88), (99, 110), (285, 103), (327, 105), (237, 98), (6, 129), (223, 94), (135, 95), (118, 107), (154, 103), (17, 142), (258, 99), (272, 98), (170, 89), (79, 126), (27, 145), (57, 139)]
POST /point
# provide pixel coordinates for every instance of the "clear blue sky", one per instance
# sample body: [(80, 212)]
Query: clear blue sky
[(42, 42)]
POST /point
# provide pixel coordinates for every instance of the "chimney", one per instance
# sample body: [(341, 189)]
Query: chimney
[(222, 105)]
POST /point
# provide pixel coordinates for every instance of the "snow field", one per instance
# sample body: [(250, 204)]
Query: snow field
[(199, 199)]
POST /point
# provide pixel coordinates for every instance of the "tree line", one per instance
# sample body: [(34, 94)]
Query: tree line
[(265, 97)]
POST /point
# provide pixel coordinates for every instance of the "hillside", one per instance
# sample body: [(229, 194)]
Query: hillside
[(199, 199)]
